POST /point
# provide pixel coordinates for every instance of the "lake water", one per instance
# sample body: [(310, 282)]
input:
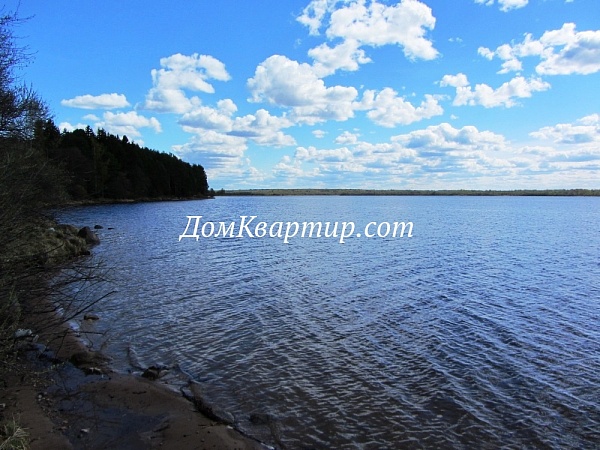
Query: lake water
[(482, 330)]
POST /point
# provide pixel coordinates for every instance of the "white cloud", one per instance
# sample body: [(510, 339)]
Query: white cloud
[(357, 24), (333, 155), (444, 137), (286, 83), (347, 138), (568, 148), (319, 134), (403, 24), (345, 56), (421, 156), (585, 131), (91, 117), (70, 127), (313, 14), (261, 127), (215, 150), (264, 129), (387, 109), (205, 117), (505, 5), (103, 101), (484, 95), (223, 158), (179, 73), (562, 52), (127, 123), (444, 157)]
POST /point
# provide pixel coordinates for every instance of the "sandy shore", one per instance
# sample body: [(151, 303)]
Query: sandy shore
[(67, 397)]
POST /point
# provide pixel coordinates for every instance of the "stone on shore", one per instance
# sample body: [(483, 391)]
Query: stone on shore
[(89, 236)]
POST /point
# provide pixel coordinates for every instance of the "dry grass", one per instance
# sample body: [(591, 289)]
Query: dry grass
[(13, 436)]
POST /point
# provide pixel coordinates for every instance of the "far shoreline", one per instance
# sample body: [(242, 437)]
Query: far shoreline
[(411, 192)]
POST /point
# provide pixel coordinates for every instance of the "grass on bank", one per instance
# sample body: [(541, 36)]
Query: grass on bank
[(13, 436)]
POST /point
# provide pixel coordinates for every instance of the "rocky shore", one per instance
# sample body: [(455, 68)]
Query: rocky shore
[(64, 395)]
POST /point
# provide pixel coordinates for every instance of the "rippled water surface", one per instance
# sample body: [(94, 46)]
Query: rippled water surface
[(480, 331)]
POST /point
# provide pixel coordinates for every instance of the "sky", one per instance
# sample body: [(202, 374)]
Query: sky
[(410, 94)]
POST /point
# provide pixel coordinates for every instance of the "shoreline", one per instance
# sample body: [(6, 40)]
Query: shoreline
[(409, 192), (128, 201), (71, 398), (66, 395)]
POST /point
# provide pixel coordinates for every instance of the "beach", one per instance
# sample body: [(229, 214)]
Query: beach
[(68, 397)]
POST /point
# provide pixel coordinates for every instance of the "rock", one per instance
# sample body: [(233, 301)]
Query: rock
[(89, 236), (154, 372), (86, 359), (151, 373), (98, 227), (260, 418), (90, 316), (67, 229), (22, 333)]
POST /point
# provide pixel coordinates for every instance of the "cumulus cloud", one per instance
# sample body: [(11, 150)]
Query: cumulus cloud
[(216, 150), (347, 138), (328, 155), (585, 131), (404, 24), (260, 127), (206, 117), (484, 95), (222, 155), (103, 101), (287, 83), (388, 109), (70, 127), (562, 52), (444, 157), (290, 84), (179, 73), (444, 137), (568, 148), (357, 24), (313, 14), (505, 5), (346, 56), (264, 129), (439, 151), (127, 123)]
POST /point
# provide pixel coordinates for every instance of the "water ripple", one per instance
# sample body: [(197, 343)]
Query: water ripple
[(482, 330)]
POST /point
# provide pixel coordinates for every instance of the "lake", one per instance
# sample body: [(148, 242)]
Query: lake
[(481, 330)]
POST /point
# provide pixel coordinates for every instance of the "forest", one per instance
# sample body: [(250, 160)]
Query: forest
[(103, 166)]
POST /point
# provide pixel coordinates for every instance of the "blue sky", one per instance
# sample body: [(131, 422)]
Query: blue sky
[(431, 94)]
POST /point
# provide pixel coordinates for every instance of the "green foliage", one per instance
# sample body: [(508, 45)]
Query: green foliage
[(104, 166)]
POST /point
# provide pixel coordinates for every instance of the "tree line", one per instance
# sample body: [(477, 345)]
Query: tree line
[(101, 165)]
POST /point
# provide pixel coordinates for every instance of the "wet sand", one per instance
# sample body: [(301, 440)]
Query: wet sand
[(85, 405)]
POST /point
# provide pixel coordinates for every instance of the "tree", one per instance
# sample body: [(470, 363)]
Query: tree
[(20, 105)]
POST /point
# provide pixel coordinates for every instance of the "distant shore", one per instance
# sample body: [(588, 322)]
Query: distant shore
[(410, 192)]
